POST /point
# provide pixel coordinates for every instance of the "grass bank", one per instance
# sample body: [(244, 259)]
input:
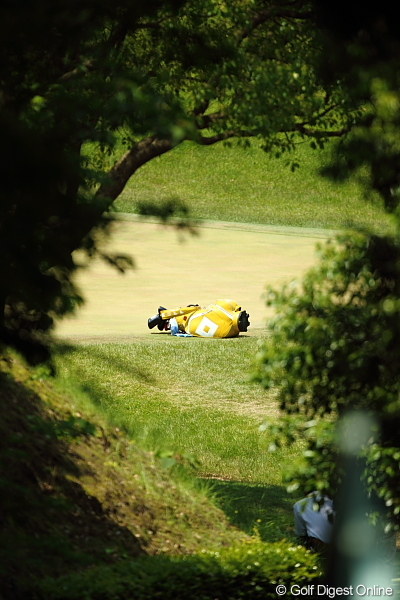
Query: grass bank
[(76, 492), (246, 185), (88, 512), (190, 400)]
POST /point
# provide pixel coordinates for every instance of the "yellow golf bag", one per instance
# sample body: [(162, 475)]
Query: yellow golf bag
[(223, 319)]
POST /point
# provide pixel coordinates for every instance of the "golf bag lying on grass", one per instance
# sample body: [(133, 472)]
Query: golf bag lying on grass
[(223, 319)]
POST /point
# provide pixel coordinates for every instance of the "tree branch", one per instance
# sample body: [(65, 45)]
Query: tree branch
[(326, 111), (118, 34), (143, 152), (220, 137), (114, 42), (305, 128), (88, 65), (120, 173), (321, 133), (206, 121), (151, 24), (201, 108), (263, 16)]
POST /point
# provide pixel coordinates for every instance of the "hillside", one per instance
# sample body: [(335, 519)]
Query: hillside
[(76, 493), (245, 184)]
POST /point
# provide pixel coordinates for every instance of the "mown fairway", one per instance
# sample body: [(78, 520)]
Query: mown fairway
[(219, 262)]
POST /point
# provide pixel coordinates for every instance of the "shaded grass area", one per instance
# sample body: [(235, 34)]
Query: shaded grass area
[(48, 521), (246, 185), (262, 510), (77, 493)]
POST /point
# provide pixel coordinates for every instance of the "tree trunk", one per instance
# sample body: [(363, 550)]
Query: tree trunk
[(120, 173), (3, 298)]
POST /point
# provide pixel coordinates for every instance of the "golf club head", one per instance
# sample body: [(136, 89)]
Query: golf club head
[(154, 321), (243, 321)]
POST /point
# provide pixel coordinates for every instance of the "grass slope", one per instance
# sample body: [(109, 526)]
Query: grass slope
[(246, 185), (77, 493), (192, 397)]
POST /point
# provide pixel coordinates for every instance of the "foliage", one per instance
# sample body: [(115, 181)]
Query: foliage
[(343, 325), (250, 571), (362, 47), (161, 73), (57, 92), (334, 346), (243, 69), (238, 70)]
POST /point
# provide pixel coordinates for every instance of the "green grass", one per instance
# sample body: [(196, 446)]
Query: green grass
[(264, 510), (246, 185), (78, 493), (180, 397), (185, 395)]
